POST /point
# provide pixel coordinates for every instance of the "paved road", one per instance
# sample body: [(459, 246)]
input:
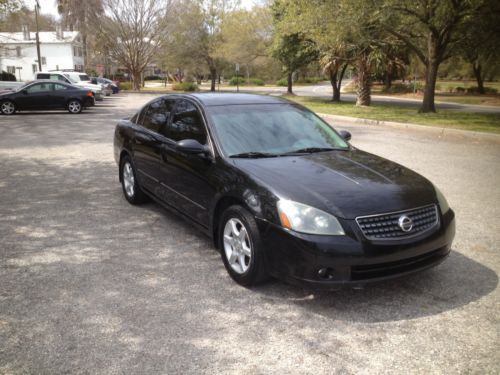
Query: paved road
[(91, 284)]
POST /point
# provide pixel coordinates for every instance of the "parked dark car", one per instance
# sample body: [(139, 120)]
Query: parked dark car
[(46, 95), (280, 191), (112, 85)]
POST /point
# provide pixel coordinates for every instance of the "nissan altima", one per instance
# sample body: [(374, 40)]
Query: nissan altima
[(280, 191)]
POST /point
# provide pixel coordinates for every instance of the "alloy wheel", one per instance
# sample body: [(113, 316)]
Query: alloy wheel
[(74, 106), (8, 108), (128, 179), (237, 245)]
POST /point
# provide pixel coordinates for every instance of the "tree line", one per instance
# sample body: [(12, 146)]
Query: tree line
[(374, 39)]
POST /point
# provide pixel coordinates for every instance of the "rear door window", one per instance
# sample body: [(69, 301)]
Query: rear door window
[(58, 77), (58, 87), (43, 76)]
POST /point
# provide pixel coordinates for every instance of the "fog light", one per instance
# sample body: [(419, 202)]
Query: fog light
[(325, 273)]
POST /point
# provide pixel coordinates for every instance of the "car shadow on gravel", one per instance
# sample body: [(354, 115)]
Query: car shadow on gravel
[(456, 282)]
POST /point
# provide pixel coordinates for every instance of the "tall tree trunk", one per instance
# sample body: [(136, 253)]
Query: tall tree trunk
[(333, 82), (213, 78), (290, 83), (364, 81), (136, 80), (431, 71), (389, 72), (476, 67), (339, 83)]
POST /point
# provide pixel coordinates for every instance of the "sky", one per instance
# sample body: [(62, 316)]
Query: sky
[(49, 6)]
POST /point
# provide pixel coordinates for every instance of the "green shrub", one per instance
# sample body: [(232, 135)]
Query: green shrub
[(403, 88), (4, 76), (310, 80), (460, 90), (282, 82), (125, 85), (242, 81), (487, 90), (185, 86), (153, 78), (237, 80), (256, 81)]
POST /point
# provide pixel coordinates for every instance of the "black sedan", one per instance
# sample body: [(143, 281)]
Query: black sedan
[(46, 95), (280, 191)]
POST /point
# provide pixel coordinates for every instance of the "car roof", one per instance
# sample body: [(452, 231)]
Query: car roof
[(53, 81), (49, 81), (222, 99)]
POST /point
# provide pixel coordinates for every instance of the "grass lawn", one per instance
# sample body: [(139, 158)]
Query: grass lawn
[(444, 118), (442, 92)]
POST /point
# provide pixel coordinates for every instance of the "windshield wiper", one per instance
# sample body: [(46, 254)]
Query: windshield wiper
[(253, 154), (310, 150)]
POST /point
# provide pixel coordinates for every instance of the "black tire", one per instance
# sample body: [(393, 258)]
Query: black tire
[(75, 106), (256, 271), (133, 194), (8, 107)]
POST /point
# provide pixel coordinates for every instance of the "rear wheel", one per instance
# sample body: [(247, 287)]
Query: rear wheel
[(8, 107), (74, 106), (241, 248), (130, 186)]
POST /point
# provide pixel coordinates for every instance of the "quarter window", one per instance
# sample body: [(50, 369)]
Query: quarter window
[(187, 123)]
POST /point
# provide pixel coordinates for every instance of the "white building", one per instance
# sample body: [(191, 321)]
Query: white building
[(58, 50)]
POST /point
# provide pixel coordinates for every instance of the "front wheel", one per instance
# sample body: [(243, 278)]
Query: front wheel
[(74, 106), (130, 186), (8, 107), (241, 248)]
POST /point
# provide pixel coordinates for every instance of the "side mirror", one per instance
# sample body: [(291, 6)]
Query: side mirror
[(192, 146), (345, 134)]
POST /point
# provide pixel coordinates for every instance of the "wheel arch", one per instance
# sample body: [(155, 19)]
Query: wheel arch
[(222, 204), (123, 153)]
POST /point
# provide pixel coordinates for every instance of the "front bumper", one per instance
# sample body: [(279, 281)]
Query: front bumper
[(327, 262), (89, 101), (98, 96)]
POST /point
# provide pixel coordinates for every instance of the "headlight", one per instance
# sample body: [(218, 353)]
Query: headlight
[(443, 204), (306, 219)]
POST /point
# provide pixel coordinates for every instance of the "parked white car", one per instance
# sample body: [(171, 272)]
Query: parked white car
[(73, 78)]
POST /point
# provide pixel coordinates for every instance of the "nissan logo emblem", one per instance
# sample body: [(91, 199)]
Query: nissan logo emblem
[(405, 223)]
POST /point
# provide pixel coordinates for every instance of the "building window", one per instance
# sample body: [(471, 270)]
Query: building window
[(18, 51), (35, 68), (75, 51), (80, 52), (44, 60), (11, 69)]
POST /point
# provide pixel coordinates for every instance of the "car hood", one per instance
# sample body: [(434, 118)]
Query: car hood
[(345, 183), (6, 91)]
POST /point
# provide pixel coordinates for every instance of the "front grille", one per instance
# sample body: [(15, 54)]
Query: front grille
[(386, 226)]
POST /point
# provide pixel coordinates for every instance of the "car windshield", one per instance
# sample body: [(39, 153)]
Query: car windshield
[(271, 130), (24, 86), (72, 78)]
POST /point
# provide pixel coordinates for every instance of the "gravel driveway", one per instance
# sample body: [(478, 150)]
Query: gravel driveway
[(91, 284)]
